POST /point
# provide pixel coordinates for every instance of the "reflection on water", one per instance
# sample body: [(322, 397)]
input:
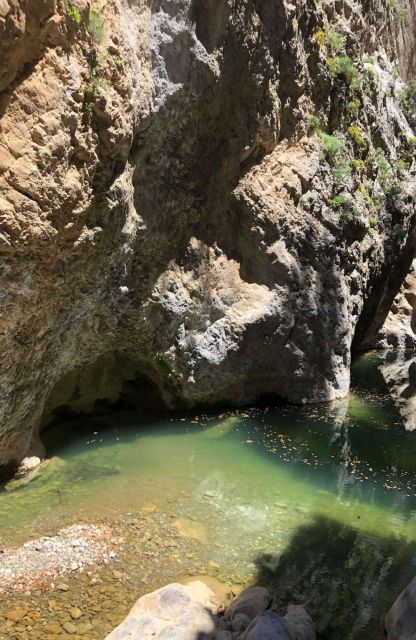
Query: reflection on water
[(317, 502)]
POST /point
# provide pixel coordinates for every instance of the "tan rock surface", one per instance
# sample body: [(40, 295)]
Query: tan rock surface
[(164, 203)]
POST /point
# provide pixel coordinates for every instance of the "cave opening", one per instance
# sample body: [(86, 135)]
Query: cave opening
[(112, 383)]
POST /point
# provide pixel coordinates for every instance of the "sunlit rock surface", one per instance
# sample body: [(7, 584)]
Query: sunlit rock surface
[(176, 612), (165, 198), (189, 612)]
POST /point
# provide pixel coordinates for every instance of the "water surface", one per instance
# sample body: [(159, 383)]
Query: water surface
[(317, 502)]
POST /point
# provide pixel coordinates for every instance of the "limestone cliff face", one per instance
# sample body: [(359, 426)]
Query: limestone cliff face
[(216, 191), (399, 328)]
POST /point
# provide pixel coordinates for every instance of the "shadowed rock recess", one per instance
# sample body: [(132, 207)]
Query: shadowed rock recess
[(169, 196)]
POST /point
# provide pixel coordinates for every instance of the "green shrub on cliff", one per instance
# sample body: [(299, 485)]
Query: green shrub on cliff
[(344, 67), (73, 13), (357, 135), (95, 26), (332, 145), (408, 102)]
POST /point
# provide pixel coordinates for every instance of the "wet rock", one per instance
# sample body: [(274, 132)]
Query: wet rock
[(249, 604), (299, 622), (75, 613), (175, 612), (190, 528), (69, 627), (15, 615), (267, 626), (28, 464), (400, 621)]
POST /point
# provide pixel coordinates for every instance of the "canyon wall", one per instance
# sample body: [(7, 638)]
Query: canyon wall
[(220, 192)]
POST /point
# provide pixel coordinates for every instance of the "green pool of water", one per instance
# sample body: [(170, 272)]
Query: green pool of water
[(316, 502)]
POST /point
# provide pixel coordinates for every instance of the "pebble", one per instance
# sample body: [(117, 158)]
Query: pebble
[(15, 615), (69, 627), (21, 568), (75, 613)]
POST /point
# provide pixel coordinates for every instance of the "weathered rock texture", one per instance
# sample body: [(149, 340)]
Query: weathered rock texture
[(399, 329), (164, 198), (400, 621), (399, 373), (178, 612)]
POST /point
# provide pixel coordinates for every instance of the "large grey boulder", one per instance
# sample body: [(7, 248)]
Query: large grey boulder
[(175, 612), (400, 621), (299, 622), (249, 604), (267, 626)]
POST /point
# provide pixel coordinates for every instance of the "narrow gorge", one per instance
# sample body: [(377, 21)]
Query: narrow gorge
[(207, 326)]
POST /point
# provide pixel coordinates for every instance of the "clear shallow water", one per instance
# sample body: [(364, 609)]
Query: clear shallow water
[(318, 502)]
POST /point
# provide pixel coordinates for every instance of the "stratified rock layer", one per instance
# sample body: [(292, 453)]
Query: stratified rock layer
[(165, 200)]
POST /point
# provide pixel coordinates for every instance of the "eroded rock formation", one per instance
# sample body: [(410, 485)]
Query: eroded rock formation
[(167, 195), (399, 329), (399, 373)]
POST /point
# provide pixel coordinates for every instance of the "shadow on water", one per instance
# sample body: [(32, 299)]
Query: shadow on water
[(347, 579)]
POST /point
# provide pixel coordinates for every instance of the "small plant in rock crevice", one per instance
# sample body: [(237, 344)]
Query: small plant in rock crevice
[(400, 12), (357, 164), (343, 66), (331, 144), (357, 135), (336, 40), (354, 106), (408, 103), (73, 13), (330, 38), (119, 62), (337, 201), (95, 26), (399, 232), (386, 176)]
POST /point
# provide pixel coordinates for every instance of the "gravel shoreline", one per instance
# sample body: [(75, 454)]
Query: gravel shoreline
[(74, 548)]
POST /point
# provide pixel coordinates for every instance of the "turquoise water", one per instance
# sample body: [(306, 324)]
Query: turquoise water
[(316, 502)]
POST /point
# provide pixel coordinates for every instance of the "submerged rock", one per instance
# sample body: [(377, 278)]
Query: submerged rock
[(190, 529), (175, 612)]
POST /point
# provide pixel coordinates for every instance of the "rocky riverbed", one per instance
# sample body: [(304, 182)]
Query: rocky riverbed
[(83, 581)]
